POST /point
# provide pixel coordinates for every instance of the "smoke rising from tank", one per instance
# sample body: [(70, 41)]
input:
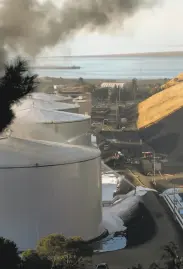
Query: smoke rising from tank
[(32, 26)]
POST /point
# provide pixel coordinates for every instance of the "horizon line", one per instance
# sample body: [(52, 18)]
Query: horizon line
[(151, 53)]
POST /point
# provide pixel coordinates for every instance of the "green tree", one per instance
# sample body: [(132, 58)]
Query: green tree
[(62, 252), (31, 260), (81, 81), (52, 247), (16, 83), (79, 247), (9, 257)]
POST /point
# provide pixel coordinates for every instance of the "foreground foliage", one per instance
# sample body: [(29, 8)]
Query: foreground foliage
[(16, 83), (57, 252)]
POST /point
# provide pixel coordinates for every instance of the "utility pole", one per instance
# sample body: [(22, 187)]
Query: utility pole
[(119, 95), (135, 192), (116, 110), (174, 201), (154, 168)]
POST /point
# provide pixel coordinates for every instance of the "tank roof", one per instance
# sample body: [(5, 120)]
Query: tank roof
[(32, 102), (49, 97), (40, 115), (16, 152)]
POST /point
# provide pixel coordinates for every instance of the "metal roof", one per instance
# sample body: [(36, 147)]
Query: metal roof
[(15, 152), (112, 85), (39, 115)]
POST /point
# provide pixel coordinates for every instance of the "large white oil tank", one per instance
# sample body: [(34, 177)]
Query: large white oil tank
[(32, 102), (51, 97), (58, 126), (48, 188)]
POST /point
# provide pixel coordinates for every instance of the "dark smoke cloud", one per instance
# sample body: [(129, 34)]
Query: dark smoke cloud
[(31, 26)]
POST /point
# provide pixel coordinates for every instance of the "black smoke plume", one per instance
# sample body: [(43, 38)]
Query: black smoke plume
[(30, 26)]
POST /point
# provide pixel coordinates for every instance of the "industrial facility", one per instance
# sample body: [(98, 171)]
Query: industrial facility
[(52, 177)]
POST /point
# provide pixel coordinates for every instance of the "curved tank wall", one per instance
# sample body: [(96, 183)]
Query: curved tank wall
[(51, 105), (51, 97), (84, 139), (85, 104), (48, 188), (50, 125)]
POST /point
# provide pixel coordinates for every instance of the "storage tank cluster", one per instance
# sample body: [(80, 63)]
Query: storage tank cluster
[(48, 185)]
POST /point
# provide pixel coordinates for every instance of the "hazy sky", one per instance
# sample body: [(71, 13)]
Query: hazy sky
[(157, 29)]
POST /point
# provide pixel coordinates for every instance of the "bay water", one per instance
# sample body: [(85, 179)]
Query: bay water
[(112, 67)]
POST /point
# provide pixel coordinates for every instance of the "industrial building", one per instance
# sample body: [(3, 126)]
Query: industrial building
[(112, 85), (48, 188)]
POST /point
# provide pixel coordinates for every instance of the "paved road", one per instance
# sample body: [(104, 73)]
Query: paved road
[(162, 182), (167, 230)]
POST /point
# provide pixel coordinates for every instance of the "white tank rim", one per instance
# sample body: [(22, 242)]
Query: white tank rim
[(49, 96), (58, 115), (77, 154), (42, 104)]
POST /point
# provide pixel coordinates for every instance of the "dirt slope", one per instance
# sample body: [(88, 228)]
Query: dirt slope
[(160, 105)]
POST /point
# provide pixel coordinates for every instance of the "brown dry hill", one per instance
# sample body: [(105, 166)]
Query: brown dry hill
[(173, 81), (161, 105)]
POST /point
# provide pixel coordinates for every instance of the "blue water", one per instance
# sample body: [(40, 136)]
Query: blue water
[(119, 67)]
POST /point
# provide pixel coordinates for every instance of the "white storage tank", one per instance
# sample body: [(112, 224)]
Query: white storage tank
[(51, 97), (48, 188), (57, 126), (51, 105), (83, 139), (85, 103)]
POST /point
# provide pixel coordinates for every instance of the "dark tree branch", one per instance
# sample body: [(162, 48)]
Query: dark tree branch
[(16, 83)]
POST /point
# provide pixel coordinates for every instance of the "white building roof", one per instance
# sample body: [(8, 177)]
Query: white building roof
[(31, 102), (112, 85), (39, 115), (15, 152), (49, 97)]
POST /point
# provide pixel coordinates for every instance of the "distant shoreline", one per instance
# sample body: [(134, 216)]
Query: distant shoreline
[(143, 54)]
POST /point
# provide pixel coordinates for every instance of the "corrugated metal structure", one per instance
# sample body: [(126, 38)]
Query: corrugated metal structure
[(57, 126), (48, 188)]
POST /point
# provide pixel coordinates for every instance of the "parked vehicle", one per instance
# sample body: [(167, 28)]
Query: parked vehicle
[(102, 266)]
